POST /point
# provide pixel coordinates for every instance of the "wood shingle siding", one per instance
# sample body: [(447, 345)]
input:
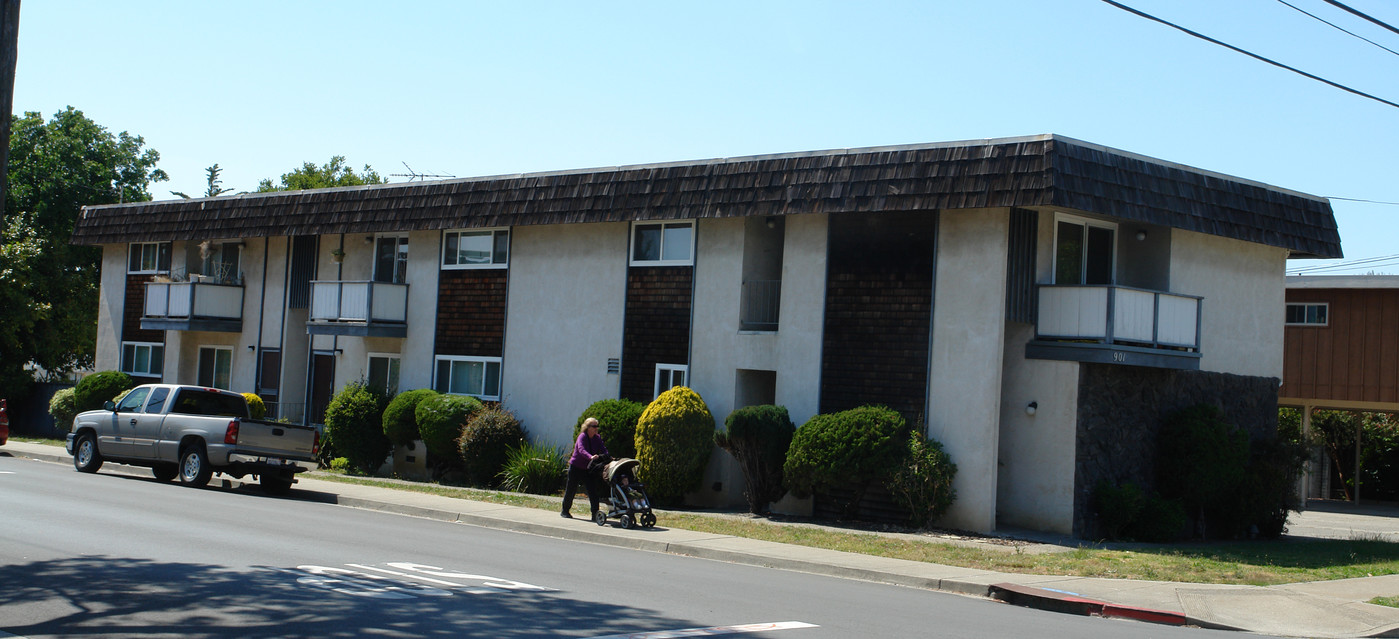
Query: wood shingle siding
[(657, 325), (1037, 171), (133, 308), (471, 312)]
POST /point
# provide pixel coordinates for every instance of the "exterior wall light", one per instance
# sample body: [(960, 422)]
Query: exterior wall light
[(1031, 408)]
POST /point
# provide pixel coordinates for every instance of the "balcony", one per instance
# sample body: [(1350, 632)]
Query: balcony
[(1117, 325), (358, 308), (759, 305), (193, 306)]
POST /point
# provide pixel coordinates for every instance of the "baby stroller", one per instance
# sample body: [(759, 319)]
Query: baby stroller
[(627, 499)]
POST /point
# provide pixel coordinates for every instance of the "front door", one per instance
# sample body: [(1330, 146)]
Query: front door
[(322, 382)]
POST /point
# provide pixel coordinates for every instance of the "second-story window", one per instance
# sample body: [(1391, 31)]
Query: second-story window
[(148, 257), (1306, 314), (1084, 251), (485, 248), (663, 244), (391, 259)]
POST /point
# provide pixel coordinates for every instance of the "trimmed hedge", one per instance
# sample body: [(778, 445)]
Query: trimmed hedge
[(64, 407), (401, 418), (758, 437), (441, 419), (617, 419), (257, 409), (855, 448), (486, 442), (674, 438), (353, 421), (98, 388)]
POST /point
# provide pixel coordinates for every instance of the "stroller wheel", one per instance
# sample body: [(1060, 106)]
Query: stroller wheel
[(628, 521), (600, 518), (648, 520)]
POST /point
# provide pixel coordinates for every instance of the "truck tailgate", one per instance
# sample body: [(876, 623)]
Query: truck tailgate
[(275, 439)]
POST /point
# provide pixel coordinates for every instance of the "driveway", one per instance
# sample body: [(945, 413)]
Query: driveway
[(1330, 519)]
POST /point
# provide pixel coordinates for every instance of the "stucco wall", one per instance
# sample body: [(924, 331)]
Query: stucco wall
[(563, 322), (1242, 285), (1035, 486), (968, 341), (110, 306)]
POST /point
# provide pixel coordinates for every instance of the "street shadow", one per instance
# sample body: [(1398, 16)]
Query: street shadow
[(114, 597)]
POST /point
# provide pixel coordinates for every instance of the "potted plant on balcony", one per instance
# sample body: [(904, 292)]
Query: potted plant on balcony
[(337, 255)]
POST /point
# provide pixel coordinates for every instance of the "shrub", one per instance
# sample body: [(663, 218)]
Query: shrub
[(95, 389), (1161, 520), (617, 419), (1200, 462), (534, 468), (441, 419), (401, 419), (758, 437), (922, 481), (1118, 506), (257, 409), (674, 438), (353, 421), (64, 407), (1270, 483), (856, 448), (486, 441)]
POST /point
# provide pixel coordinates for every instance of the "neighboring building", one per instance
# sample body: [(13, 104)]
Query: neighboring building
[(1038, 303), (1341, 351)]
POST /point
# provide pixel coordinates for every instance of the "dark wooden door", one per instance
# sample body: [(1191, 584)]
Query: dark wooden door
[(322, 382)]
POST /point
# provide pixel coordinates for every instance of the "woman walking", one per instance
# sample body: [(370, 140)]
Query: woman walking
[(588, 446)]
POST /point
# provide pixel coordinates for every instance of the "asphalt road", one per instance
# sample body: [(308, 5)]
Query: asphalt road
[(123, 555)]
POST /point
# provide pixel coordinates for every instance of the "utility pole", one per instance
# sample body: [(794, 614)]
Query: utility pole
[(9, 54)]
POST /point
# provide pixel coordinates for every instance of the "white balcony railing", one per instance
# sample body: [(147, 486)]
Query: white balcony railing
[(1119, 315), (358, 301), (190, 300)]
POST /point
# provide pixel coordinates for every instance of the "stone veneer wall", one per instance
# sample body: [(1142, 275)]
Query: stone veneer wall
[(1121, 410)]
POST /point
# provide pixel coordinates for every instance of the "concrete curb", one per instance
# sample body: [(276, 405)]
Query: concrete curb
[(1072, 603)]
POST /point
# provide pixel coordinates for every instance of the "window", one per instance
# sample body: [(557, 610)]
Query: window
[(475, 376), (671, 243), (142, 358), (148, 257), (215, 366), (669, 376), (193, 401), (489, 248), (133, 401), (157, 400), (391, 259), (383, 372), (221, 262), (1306, 314), (1084, 251)]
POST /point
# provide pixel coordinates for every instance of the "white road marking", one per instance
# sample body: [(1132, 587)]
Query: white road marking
[(712, 630), (410, 580)]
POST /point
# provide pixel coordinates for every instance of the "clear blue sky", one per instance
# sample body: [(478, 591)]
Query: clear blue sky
[(486, 88)]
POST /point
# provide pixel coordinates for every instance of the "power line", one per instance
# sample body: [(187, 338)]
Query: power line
[(1337, 27), (1362, 15), (1369, 262), (1351, 199), (1250, 54)]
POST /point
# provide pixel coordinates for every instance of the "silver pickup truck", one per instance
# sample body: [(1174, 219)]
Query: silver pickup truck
[(191, 432)]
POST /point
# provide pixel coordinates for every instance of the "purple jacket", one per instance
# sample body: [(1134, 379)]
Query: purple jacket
[(585, 449)]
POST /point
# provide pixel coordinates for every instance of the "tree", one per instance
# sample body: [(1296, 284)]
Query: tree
[(48, 288), (214, 190), (333, 173)]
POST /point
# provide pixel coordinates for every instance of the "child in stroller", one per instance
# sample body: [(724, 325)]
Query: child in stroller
[(628, 500)]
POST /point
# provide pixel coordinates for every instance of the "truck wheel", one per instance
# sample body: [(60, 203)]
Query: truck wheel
[(275, 484), (86, 457), (194, 466), (165, 472)]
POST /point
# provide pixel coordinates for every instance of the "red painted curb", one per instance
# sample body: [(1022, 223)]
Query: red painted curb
[(1057, 601), (1144, 614)]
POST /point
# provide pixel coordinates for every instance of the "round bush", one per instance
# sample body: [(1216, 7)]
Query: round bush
[(64, 407), (674, 438), (441, 419), (257, 409), (853, 448), (401, 418), (486, 442), (758, 437), (617, 419), (353, 421), (922, 482), (95, 389)]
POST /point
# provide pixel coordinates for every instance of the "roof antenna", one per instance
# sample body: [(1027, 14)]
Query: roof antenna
[(414, 175)]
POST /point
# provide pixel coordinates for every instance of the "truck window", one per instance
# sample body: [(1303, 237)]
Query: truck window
[(133, 401), (193, 401), (157, 400)]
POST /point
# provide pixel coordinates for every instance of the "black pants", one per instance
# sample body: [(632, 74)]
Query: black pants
[(589, 480)]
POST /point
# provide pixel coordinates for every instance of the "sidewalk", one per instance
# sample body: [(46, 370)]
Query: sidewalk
[(1318, 609)]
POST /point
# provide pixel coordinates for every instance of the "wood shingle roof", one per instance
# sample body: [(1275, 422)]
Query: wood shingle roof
[(1047, 170)]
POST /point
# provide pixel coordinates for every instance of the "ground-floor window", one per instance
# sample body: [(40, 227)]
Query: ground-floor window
[(475, 376), (146, 359), (383, 371), (216, 367), (669, 376)]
